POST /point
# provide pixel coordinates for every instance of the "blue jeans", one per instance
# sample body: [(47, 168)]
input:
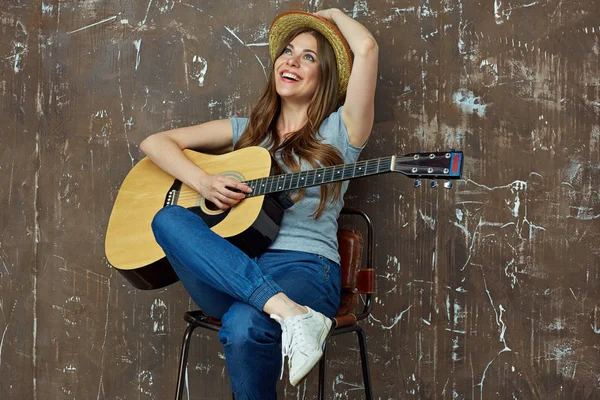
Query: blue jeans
[(225, 283)]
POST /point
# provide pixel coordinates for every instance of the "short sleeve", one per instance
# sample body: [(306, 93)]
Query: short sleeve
[(238, 126), (333, 131)]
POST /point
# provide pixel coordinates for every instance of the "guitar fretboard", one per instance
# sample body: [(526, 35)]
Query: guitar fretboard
[(320, 176)]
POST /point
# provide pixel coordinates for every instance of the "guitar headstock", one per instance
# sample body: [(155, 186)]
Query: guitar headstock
[(431, 165)]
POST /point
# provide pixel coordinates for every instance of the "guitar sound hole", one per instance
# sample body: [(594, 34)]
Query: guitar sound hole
[(211, 206)]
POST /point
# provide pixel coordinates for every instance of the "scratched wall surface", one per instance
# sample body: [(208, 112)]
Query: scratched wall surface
[(489, 290)]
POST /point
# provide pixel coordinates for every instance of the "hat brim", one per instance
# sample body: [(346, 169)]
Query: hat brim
[(289, 21)]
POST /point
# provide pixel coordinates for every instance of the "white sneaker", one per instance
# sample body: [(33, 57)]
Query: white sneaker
[(302, 340)]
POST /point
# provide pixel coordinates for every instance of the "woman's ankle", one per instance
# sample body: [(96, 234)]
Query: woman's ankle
[(283, 306)]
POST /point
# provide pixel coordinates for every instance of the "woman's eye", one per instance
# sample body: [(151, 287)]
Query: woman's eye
[(287, 51), (309, 57)]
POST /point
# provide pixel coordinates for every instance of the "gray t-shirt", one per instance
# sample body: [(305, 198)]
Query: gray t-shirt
[(299, 230)]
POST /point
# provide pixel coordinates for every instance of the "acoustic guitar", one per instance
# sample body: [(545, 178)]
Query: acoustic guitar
[(253, 223)]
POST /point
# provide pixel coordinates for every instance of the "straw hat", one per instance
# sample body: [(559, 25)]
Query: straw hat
[(288, 21)]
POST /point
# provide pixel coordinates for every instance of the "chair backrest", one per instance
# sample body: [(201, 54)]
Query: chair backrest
[(350, 247), (356, 277)]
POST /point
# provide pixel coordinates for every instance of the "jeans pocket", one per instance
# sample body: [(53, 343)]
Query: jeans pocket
[(328, 299), (327, 267)]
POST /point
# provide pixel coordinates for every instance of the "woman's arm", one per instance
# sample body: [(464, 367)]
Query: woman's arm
[(165, 149), (359, 107)]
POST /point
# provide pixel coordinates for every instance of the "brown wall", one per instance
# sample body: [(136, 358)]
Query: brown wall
[(490, 290)]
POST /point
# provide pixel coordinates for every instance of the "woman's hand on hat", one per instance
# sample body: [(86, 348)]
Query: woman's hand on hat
[(224, 192), (327, 14)]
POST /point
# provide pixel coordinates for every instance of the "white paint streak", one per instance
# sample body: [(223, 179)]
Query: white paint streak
[(584, 214), (145, 382), (234, 35), (502, 326), (399, 11), (262, 65), (147, 12), (489, 67), (475, 233), (339, 380), (138, 44), (392, 261), (158, 312), (511, 274), (428, 220), (459, 214), (454, 312), (126, 123), (530, 4), (167, 7), (110, 19), (469, 103), (557, 325), (19, 49), (70, 368), (516, 187), (595, 323), (498, 314), (361, 7), (198, 69), (106, 319), (500, 13), (247, 45), (2, 260), (47, 8), (36, 240), (12, 310), (395, 321), (313, 5)]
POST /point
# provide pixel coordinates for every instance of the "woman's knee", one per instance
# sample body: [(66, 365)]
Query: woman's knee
[(166, 216), (244, 325), (166, 220)]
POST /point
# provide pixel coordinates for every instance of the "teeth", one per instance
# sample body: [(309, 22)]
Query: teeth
[(290, 76)]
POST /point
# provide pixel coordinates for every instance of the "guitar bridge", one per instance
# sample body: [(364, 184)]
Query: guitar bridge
[(173, 194)]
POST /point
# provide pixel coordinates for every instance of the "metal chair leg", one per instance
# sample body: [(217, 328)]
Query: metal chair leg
[(364, 360), (322, 372), (185, 347)]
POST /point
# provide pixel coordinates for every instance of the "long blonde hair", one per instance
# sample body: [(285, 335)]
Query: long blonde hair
[(302, 144)]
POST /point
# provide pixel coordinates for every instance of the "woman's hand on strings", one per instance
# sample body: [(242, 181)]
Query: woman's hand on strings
[(224, 192)]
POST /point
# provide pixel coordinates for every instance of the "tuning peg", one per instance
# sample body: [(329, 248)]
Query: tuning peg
[(417, 183), (433, 184), (448, 185)]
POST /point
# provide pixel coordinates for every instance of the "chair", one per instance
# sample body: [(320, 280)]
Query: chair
[(355, 281)]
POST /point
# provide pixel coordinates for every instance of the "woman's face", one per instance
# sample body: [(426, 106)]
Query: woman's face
[(297, 69)]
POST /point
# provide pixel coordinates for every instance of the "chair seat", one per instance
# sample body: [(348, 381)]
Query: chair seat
[(199, 318)]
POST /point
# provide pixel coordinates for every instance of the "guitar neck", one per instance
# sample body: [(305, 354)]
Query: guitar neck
[(320, 176)]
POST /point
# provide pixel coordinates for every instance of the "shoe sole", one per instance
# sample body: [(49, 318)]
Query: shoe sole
[(323, 340)]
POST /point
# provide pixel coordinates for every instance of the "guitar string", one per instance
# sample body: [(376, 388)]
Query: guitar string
[(319, 176)]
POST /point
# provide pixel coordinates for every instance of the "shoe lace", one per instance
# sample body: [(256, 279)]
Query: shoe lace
[(292, 338)]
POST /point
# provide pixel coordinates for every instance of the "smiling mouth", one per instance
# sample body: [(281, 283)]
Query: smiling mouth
[(289, 77)]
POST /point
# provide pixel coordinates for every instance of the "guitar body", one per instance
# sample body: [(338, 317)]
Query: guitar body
[(130, 247)]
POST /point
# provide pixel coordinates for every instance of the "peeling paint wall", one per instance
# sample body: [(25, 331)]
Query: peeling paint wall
[(488, 290)]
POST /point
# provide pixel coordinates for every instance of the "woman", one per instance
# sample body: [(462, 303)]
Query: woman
[(289, 291)]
